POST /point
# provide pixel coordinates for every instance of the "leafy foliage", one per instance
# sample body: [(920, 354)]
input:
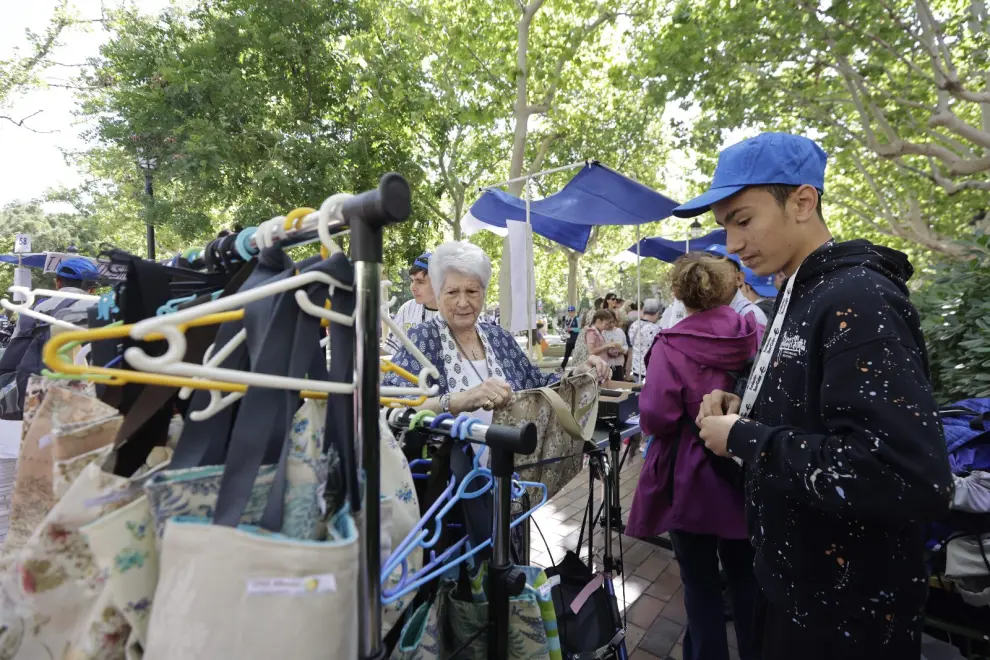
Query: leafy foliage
[(894, 90), (955, 314), (50, 232), (244, 110)]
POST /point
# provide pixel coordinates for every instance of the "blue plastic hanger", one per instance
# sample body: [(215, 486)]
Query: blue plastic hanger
[(172, 306), (439, 564)]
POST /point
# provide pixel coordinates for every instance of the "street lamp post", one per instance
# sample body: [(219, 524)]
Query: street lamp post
[(695, 230), (147, 165)]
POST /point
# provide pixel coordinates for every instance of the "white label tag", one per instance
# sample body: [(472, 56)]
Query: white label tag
[(547, 586), (44, 441), (112, 495), (313, 584)]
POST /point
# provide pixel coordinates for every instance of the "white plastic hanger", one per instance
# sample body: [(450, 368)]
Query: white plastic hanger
[(268, 233), (24, 307), (218, 400)]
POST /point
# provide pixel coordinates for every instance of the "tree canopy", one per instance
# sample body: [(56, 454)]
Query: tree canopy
[(240, 110)]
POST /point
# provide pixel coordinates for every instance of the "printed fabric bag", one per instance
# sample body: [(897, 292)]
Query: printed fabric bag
[(532, 620), (565, 416), (56, 602), (123, 546), (228, 593), (422, 637), (193, 491), (48, 404)]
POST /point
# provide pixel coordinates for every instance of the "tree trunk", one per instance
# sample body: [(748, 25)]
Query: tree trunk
[(521, 117), (573, 257), (458, 214)]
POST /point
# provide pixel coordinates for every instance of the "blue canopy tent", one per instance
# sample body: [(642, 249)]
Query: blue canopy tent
[(596, 195), (668, 250), (29, 260)]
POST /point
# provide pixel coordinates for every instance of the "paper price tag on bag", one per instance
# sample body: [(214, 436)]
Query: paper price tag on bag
[(313, 584), (548, 586)]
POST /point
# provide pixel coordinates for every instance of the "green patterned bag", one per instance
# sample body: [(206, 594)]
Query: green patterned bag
[(422, 635), (532, 620)]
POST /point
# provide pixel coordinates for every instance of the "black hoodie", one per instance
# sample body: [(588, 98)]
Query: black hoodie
[(844, 446)]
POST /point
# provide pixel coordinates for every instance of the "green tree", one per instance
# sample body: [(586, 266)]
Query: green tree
[(896, 90), (247, 109), (49, 232)]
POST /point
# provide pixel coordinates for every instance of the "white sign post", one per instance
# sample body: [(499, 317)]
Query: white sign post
[(22, 244), (22, 277)]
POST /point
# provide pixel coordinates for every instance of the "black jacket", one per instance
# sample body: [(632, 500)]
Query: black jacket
[(845, 448)]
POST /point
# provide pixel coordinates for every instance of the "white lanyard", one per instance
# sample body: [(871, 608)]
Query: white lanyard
[(762, 365)]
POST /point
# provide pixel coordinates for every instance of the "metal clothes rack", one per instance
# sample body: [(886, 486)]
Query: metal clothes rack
[(504, 580), (367, 215)]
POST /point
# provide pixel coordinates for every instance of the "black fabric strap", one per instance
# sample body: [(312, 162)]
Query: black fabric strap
[(258, 433), (288, 344), (305, 361), (146, 423), (340, 407), (205, 442)]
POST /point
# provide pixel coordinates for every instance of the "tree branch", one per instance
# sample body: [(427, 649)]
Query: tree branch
[(20, 123), (541, 153), (436, 210), (896, 52), (567, 55), (533, 7)]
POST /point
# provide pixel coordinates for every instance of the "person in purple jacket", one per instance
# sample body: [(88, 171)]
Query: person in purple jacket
[(680, 490)]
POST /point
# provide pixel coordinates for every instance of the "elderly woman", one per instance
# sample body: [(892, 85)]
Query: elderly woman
[(480, 364)]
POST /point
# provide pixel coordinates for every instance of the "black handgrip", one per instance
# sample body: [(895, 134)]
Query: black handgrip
[(367, 215), (515, 582), (388, 204), (520, 440)]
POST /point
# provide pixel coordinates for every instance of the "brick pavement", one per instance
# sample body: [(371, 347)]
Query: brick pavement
[(649, 591)]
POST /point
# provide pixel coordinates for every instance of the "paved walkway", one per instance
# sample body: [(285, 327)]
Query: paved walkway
[(649, 591)]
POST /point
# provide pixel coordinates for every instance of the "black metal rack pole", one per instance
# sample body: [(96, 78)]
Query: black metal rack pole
[(504, 580), (367, 215)]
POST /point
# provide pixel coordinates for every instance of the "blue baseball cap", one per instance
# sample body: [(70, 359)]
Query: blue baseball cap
[(768, 158), (763, 285), (422, 261), (570, 308)]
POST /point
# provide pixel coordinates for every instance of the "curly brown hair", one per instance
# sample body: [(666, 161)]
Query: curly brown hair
[(702, 281)]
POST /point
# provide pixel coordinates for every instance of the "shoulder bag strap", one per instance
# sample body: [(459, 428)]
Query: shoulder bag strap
[(568, 417)]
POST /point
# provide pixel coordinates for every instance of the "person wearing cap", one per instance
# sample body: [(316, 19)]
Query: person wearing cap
[(838, 428), (741, 302), (642, 332), (422, 307), (572, 325), (73, 275)]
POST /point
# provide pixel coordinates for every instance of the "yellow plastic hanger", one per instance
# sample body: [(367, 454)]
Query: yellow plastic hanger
[(388, 366), (296, 216), (64, 368)]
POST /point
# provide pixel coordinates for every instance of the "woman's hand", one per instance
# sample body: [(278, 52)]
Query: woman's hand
[(600, 367), (492, 394)]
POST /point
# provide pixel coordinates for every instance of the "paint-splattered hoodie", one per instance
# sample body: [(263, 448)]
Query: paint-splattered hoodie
[(845, 449)]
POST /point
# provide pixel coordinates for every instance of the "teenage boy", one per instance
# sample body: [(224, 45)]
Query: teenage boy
[(422, 307), (838, 429)]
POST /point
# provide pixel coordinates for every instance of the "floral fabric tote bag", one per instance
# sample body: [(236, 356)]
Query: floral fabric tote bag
[(565, 416)]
